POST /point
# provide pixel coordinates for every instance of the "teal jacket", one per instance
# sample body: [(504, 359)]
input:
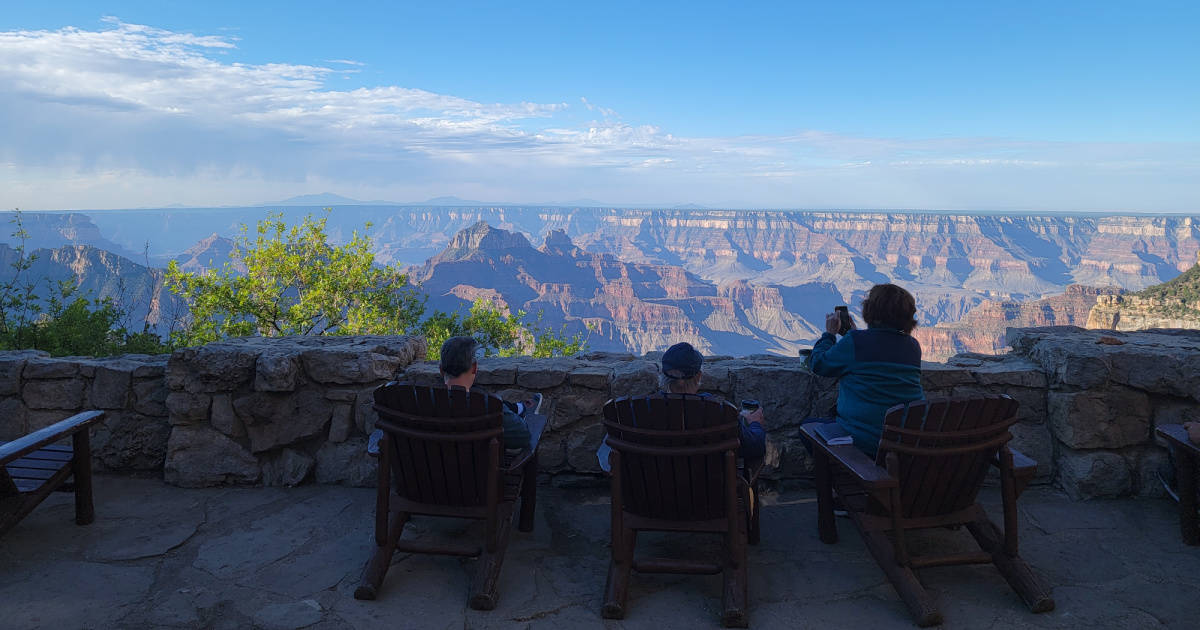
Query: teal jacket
[(877, 368)]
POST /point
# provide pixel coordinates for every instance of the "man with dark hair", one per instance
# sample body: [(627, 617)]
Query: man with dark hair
[(879, 367), (458, 368), (681, 374)]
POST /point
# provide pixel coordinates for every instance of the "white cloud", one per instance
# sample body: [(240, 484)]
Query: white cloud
[(133, 115)]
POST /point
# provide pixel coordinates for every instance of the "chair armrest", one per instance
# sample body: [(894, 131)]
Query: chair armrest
[(536, 424), (519, 459), (856, 462), (53, 433), (1177, 436), (1023, 466)]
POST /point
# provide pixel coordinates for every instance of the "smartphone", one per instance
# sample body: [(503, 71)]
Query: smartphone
[(844, 315), (749, 404)]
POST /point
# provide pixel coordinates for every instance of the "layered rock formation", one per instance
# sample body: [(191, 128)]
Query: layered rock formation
[(619, 305), (1173, 304), (953, 263), (983, 329), (138, 290), (210, 253)]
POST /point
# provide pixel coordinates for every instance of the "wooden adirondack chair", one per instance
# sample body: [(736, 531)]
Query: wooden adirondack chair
[(442, 455), (33, 466), (933, 456), (674, 469), (1187, 456)]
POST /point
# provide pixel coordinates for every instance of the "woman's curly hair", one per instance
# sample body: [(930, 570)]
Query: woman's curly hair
[(891, 306)]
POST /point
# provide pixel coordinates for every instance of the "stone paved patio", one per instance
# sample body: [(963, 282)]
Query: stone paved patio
[(159, 557)]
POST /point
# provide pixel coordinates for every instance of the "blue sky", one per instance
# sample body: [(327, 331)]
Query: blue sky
[(971, 106)]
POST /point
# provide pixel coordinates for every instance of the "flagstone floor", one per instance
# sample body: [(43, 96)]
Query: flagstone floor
[(164, 557)]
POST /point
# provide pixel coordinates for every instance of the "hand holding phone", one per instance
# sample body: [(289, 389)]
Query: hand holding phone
[(845, 323)]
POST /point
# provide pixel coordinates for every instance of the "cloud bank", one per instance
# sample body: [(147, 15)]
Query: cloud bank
[(132, 115)]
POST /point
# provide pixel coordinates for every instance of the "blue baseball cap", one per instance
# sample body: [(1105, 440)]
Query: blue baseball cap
[(682, 361)]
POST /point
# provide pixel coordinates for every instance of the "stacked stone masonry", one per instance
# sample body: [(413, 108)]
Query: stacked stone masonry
[(294, 410), (36, 391)]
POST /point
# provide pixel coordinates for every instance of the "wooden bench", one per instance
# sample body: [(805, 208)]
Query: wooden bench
[(33, 466), (1186, 455)]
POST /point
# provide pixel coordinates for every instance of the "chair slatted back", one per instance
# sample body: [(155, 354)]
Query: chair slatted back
[(440, 440), (944, 448), (672, 449)]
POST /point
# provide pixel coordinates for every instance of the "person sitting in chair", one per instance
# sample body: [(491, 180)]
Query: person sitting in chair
[(681, 374), (879, 367), (458, 368)]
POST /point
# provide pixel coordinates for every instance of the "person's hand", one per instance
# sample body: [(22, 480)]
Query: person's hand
[(1193, 429), (754, 416), (833, 323)]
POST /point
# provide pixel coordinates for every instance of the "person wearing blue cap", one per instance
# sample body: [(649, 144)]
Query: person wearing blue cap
[(681, 373)]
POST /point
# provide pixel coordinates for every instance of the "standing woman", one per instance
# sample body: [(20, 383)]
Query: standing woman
[(878, 367)]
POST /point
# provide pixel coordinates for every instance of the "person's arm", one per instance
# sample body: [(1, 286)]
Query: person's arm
[(516, 432), (831, 357), (753, 435)]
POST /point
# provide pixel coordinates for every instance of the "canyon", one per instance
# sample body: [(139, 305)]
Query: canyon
[(736, 282)]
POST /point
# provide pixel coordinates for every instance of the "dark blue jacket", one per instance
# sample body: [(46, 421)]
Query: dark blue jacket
[(878, 368), (752, 435)]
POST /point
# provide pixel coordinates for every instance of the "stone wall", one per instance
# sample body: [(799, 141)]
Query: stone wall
[(1106, 392), (576, 390), (287, 411), (37, 391), (278, 411)]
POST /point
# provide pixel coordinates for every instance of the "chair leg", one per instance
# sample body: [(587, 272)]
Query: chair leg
[(85, 511), (1185, 478), (826, 524), (484, 593), (616, 589), (753, 534), (1020, 577), (735, 591), (528, 493), (920, 604), (381, 559)]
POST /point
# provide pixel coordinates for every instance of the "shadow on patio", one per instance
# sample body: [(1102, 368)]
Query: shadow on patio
[(159, 556)]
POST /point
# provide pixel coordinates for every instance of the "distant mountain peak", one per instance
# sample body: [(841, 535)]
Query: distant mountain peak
[(317, 199), (212, 252), (450, 200), (558, 243), (482, 238)]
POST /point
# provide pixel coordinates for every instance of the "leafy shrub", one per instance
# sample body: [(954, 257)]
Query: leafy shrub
[(289, 280)]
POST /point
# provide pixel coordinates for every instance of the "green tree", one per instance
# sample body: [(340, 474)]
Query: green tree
[(292, 281), (500, 334)]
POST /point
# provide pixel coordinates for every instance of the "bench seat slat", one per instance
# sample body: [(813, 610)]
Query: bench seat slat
[(28, 485), (31, 473), (56, 455), (43, 464)]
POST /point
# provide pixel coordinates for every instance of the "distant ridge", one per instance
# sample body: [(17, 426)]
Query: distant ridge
[(317, 199)]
